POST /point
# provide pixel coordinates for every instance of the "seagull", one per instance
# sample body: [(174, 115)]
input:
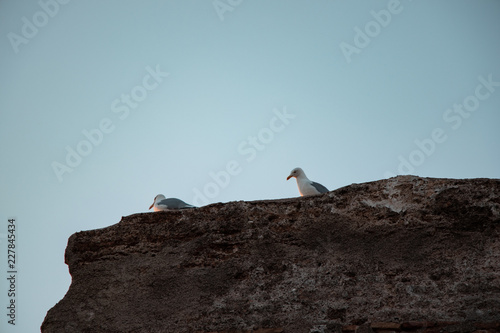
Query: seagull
[(162, 204), (306, 186)]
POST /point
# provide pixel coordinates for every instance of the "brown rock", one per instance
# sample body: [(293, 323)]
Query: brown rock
[(364, 329), (386, 326), (487, 326), (415, 249), (417, 324)]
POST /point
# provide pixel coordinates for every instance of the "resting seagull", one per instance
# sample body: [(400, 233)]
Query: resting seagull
[(162, 204), (306, 186)]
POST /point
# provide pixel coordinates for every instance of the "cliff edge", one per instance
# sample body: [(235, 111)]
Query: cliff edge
[(405, 253)]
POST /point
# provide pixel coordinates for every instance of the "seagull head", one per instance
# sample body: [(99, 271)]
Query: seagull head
[(297, 172), (159, 197)]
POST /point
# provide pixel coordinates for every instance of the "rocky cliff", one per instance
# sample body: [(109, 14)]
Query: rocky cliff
[(402, 254)]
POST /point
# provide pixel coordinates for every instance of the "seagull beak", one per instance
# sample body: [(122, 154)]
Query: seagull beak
[(151, 205), (289, 177)]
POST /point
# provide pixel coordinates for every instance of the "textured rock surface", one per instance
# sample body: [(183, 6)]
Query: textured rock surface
[(400, 251)]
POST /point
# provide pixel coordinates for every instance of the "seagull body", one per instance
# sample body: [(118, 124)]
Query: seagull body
[(162, 204), (306, 186)]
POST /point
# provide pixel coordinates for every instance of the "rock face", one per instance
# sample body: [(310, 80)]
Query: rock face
[(403, 253)]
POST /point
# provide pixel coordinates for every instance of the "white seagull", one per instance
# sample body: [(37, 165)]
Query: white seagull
[(162, 204), (306, 186)]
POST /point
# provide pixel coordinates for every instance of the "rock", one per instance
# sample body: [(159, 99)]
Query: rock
[(385, 326), (406, 250)]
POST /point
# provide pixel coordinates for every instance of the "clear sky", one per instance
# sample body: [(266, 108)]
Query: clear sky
[(104, 104)]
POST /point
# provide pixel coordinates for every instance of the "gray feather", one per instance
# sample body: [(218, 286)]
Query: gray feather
[(320, 188), (174, 203)]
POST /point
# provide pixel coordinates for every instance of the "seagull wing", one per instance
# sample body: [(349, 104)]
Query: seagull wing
[(320, 188), (174, 203)]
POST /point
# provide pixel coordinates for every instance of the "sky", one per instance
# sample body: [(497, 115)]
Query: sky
[(104, 104)]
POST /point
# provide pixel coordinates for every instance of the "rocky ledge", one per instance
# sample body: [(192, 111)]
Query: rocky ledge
[(401, 254)]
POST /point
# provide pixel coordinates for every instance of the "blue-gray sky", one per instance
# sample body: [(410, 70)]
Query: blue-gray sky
[(164, 96)]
